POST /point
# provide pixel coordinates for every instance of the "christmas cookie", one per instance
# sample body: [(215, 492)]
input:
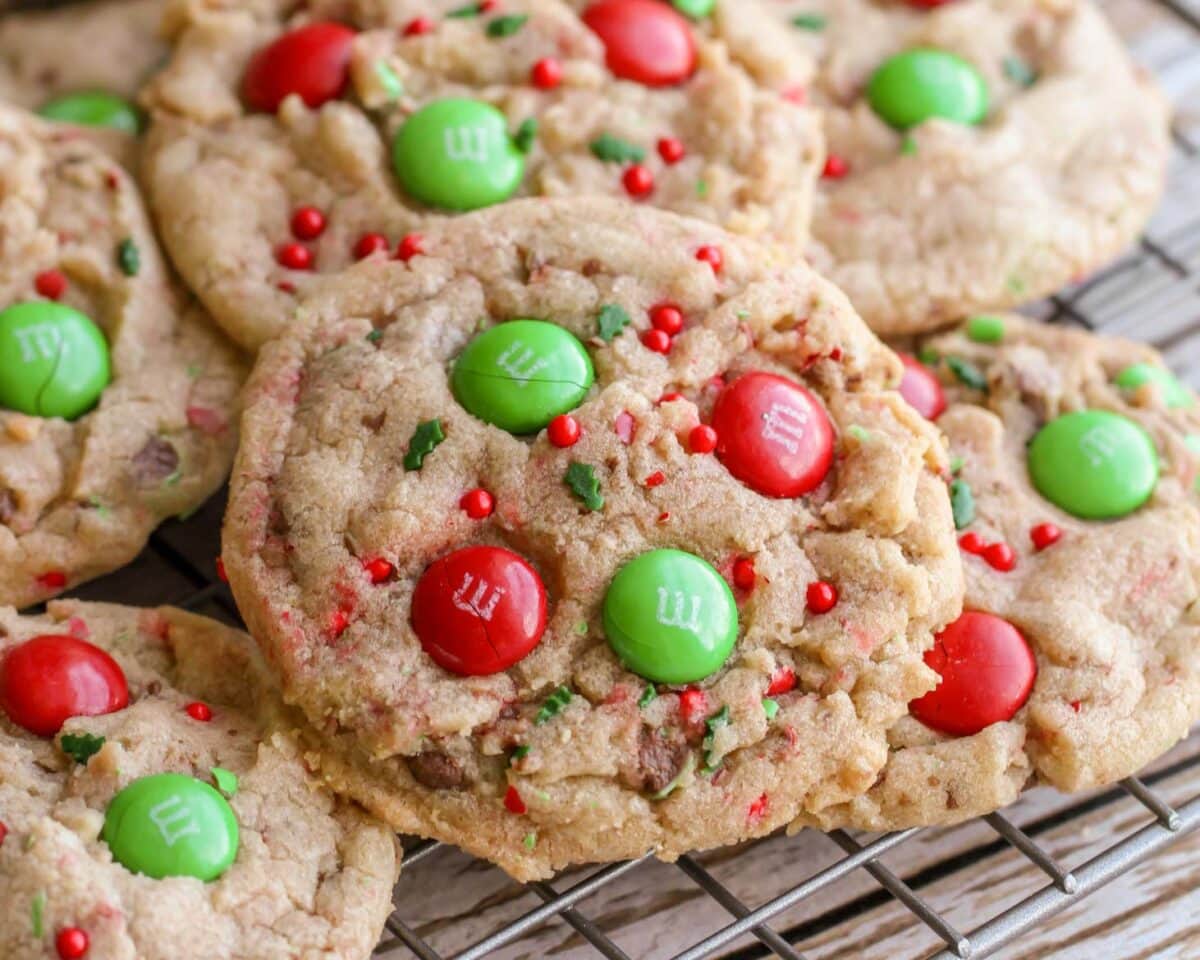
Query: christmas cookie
[(1076, 460), (290, 145), (146, 808), (592, 530), (982, 153), (117, 398)]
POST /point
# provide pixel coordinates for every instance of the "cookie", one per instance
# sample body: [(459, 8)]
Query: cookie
[(148, 809), (118, 397), (265, 177), (1076, 498), (982, 153), (592, 530)]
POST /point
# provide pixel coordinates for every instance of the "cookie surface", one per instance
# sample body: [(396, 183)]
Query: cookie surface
[(1083, 645), (982, 153), (428, 109), (117, 396), (169, 821), (450, 600)]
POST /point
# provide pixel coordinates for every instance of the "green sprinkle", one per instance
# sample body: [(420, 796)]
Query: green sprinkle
[(712, 725), (908, 146), (174, 478), (696, 9), (507, 26), (427, 436), (1019, 72), (98, 505), (612, 149), (957, 464), (526, 134), (968, 374), (520, 753), (702, 189), (530, 841), (859, 433), (226, 781), (129, 258), (743, 314), (985, 328), (389, 80), (582, 480), (194, 370), (1015, 284), (374, 336), (770, 708), (37, 911), (688, 766), (553, 706), (612, 319), (80, 746), (470, 10), (649, 695), (929, 356), (809, 21), (962, 503)]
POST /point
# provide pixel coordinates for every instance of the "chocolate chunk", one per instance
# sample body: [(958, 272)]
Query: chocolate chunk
[(156, 461), (437, 770), (659, 761)]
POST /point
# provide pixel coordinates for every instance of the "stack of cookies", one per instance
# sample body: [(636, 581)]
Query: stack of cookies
[(577, 508)]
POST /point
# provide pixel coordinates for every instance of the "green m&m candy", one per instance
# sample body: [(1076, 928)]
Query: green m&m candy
[(53, 360), (522, 374), (171, 825), (1174, 393), (670, 617), (918, 85), (94, 109), (1094, 464), (456, 154)]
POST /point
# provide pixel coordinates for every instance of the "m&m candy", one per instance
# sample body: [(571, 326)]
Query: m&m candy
[(773, 435), (53, 360), (646, 41), (1174, 394), (921, 389), (922, 84), (1094, 464), (670, 617), (479, 610), (987, 671), (94, 109), (46, 681), (522, 374), (457, 154), (312, 61), (171, 825)]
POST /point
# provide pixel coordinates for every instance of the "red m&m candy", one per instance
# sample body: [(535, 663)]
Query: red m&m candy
[(987, 672), (774, 435), (312, 61), (646, 41), (49, 679), (921, 389), (479, 610)]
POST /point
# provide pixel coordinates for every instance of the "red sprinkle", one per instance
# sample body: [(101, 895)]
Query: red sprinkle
[(1000, 556), (758, 809), (53, 580), (744, 574), (712, 256), (478, 504), (71, 943), (308, 223), (702, 439), (782, 680), (663, 517), (51, 284), (671, 397), (564, 431), (379, 569), (368, 244), (338, 622), (221, 574), (656, 479), (835, 167), (410, 245), (667, 317), (671, 150), (657, 341), (971, 542), (487, 6), (546, 74), (295, 256), (693, 705), (199, 711), (822, 596), (638, 180), (418, 26), (1045, 535), (1076, 704), (513, 802), (3, 832)]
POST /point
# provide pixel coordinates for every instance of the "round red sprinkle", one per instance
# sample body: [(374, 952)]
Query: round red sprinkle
[(712, 256), (368, 244), (479, 610), (667, 317), (656, 479), (835, 167), (782, 680), (308, 223), (338, 622), (221, 574), (564, 431), (638, 180), (645, 40), (50, 284), (744, 574), (52, 580), (478, 504), (671, 150), (312, 61), (295, 256), (513, 802), (822, 596), (775, 435), (971, 542), (71, 943), (379, 570), (987, 672), (921, 389), (657, 341), (487, 6), (418, 26), (693, 705), (1000, 556), (1045, 535), (3, 832), (546, 74), (702, 439), (199, 711), (411, 245), (46, 681)]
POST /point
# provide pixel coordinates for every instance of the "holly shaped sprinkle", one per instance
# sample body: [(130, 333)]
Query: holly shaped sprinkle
[(425, 440), (80, 747), (812, 22), (967, 373), (553, 705), (962, 504), (613, 149), (582, 479), (506, 26)]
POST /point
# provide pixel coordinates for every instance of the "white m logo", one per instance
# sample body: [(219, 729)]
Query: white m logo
[(784, 425), (673, 610), (467, 144), (1097, 446), (520, 362), (483, 603), (172, 813), (41, 342)]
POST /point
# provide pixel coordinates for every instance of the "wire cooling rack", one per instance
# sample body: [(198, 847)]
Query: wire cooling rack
[(821, 886)]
